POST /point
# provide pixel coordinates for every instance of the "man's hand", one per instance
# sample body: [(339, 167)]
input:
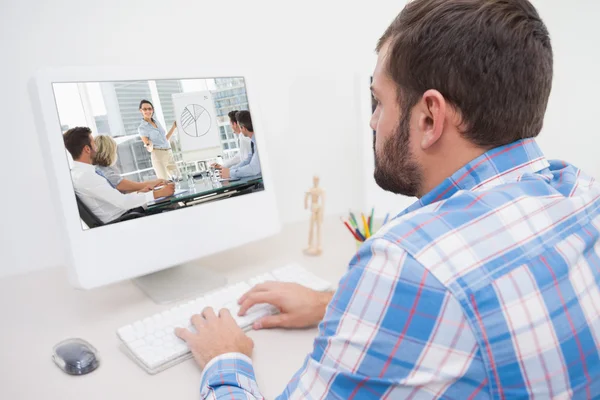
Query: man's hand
[(216, 335), (225, 173), (146, 189), (216, 166), (159, 182), (166, 190), (299, 306)]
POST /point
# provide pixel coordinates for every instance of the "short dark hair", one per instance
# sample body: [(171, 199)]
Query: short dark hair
[(490, 59), (231, 115), (244, 119), (76, 139)]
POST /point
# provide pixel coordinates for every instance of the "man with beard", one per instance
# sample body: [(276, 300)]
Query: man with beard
[(486, 287), (94, 190)]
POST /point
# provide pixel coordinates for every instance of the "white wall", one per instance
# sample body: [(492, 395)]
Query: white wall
[(306, 50), (309, 51)]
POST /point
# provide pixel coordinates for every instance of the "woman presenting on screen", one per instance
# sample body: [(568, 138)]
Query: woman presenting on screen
[(156, 141)]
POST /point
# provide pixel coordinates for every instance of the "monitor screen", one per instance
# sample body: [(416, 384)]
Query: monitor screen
[(141, 148)]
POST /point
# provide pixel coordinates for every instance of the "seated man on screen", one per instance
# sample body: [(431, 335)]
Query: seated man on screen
[(488, 286), (251, 165), (104, 201), (243, 142)]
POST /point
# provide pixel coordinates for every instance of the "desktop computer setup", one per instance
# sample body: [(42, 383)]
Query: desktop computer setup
[(111, 193)]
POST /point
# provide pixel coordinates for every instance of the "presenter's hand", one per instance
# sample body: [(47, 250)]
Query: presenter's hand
[(217, 335), (225, 173), (216, 166), (299, 306)]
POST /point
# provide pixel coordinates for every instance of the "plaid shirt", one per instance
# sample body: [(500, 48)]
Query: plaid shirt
[(487, 287)]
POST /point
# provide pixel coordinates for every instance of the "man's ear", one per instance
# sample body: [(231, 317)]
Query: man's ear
[(432, 117)]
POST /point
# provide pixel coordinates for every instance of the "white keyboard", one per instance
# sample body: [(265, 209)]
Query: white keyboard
[(152, 343)]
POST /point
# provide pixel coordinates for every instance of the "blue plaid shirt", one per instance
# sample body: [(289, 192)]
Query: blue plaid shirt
[(488, 287)]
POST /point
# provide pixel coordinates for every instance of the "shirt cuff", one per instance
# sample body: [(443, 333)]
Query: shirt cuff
[(226, 356), (230, 369), (149, 197)]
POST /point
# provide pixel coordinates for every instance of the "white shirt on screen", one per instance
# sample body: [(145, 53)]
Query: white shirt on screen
[(104, 201)]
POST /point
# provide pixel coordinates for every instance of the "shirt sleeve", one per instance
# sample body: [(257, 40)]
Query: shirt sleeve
[(100, 188), (113, 177), (142, 130), (232, 162), (249, 168), (390, 331), (230, 375)]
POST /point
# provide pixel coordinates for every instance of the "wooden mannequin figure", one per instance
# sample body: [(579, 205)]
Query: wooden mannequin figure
[(317, 196)]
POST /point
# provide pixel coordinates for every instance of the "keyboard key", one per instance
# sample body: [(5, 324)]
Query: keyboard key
[(127, 333)]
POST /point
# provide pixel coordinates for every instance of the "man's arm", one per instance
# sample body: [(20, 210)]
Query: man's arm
[(244, 162), (252, 168), (391, 330), (99, 188), (232, 162)]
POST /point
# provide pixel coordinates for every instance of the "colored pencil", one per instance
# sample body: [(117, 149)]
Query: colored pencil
[(352, 231), (364, 220), (353, 220), (360, 235), (386, 218), (371, 219)]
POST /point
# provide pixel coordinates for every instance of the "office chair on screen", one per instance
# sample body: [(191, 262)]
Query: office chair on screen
[(93, 221)]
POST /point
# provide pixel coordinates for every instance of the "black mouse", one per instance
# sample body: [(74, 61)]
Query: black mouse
[(76, 357)]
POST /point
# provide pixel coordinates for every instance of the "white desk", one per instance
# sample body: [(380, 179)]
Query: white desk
[(40, 309)]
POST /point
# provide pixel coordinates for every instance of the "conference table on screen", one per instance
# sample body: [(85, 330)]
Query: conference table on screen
[(207, 188)]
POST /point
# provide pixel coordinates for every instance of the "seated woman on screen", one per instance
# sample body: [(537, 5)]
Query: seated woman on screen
[(105, 159)]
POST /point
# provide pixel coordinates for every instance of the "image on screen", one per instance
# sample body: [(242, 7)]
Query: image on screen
[(140, 148)]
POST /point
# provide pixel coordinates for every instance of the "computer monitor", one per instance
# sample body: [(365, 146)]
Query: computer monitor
[(153, 130)]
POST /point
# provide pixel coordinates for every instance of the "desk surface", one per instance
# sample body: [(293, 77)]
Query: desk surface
[(40, 309), (204, 187)]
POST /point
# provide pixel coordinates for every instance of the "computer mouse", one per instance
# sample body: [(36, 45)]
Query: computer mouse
[(76, 357)]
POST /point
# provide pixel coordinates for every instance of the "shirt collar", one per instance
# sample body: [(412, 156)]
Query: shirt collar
[(497, 166), (148, 123), (81, 165)]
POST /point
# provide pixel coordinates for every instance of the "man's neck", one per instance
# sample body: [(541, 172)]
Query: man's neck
[(84, 160), (433, 177), (250, 134)]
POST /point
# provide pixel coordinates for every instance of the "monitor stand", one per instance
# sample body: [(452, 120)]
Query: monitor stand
[(187, 281)]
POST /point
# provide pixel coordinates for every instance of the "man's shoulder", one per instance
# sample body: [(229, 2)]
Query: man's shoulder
[(440, 217), (468, 218)]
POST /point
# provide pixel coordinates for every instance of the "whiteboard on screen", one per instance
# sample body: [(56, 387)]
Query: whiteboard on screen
[(197, 125)]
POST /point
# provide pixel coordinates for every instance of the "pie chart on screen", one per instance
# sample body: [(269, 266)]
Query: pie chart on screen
[(195, 120)]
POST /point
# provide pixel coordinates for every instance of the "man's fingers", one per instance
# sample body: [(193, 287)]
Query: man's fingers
[(183, 334), (261, 287), (209, 314), (198, 321), (271, 321), (257, 298), (224, 313)]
